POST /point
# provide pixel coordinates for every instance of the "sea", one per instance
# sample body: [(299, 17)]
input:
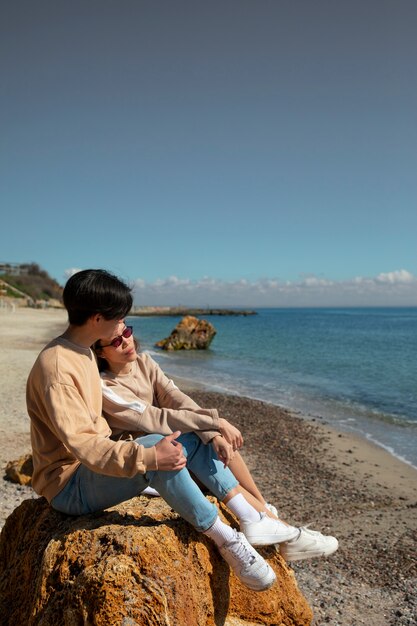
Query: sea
[(353, 368)]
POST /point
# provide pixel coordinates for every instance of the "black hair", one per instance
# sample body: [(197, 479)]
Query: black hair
[(96, 291)]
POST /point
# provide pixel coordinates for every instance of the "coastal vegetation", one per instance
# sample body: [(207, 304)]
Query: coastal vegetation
[(30, 281)]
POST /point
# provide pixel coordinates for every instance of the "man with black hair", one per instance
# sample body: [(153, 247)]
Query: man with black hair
[(79, 468)]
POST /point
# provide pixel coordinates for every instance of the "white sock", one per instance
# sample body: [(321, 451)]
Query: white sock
[(219, 532), (242, 509), (245, 511)]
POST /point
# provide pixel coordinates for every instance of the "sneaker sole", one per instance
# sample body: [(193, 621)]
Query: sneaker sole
[(255, 588), (312, 554)]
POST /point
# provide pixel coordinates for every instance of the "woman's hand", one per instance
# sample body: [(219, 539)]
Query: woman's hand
[(231, 434), (223, 449)]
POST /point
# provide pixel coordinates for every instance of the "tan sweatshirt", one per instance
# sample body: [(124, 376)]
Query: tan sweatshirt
[(147, 401), (64, 402)]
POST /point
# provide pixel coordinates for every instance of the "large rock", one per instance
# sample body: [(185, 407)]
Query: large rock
[(135, 564), (189, 334), (20, 470)]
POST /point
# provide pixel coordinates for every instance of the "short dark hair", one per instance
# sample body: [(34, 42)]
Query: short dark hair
[(96, 291)]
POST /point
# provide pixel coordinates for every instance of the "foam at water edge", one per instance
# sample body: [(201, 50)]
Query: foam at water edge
[(369, 437)]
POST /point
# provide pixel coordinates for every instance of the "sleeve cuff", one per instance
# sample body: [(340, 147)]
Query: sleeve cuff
[(216, 422), (149, 458)]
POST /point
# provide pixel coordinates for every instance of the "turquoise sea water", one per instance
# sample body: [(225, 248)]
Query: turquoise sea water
[(355, 367)]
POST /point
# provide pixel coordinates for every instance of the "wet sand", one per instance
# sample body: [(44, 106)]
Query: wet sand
[(337, 482)]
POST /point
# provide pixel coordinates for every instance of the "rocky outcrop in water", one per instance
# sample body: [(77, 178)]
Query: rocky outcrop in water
[(189, 334), (135, 564)]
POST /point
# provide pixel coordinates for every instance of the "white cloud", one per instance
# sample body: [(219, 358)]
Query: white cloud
[(396, 288), (400, 276), (71, 271), (313, 281)]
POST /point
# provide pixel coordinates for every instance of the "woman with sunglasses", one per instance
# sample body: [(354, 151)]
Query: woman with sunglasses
[(139, 398), (226, 440)]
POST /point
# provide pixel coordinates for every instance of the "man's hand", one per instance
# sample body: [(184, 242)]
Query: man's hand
[(231, 434), (169, 455), (223, 449)]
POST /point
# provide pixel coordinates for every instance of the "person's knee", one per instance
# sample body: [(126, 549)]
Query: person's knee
[(149, 440), (190, 444), (189, 437)]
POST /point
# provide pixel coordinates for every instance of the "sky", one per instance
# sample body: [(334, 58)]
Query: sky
[(231, 152)]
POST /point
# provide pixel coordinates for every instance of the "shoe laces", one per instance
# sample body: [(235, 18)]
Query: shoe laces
[(241, 551), (307, 529), (304, 530)]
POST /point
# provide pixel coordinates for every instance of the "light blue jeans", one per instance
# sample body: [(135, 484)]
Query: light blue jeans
[(87, 491)]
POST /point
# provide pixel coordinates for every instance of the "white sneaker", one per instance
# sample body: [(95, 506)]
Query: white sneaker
[(272, 508), (267, 531), (308, 544), (150, 491), (247, 564)]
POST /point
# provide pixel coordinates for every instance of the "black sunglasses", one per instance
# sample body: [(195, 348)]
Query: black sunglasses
[(117, 341)]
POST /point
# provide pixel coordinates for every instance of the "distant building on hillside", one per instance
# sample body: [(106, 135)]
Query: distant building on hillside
[(13, 269)]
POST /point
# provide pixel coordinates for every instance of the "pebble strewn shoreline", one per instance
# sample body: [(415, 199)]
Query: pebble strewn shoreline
[(372, 578)]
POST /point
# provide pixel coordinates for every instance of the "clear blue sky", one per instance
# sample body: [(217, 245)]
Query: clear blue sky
[(225, 152)]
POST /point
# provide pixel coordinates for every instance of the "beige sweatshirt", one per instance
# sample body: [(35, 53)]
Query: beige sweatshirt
[(64, 402), (147, 401)]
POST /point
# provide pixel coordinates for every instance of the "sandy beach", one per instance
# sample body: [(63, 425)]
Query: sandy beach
[(337, 482)]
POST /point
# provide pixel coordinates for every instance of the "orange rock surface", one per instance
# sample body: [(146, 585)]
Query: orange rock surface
[(135, 564), (20, 471), (189, 334)]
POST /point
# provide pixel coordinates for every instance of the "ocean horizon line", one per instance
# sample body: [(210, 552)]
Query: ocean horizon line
[(277, 308)]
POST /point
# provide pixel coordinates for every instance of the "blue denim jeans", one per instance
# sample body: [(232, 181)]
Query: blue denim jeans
[(87, 491)]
